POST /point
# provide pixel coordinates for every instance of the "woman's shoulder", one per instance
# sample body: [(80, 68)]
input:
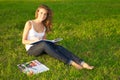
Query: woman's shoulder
[(28, 24)]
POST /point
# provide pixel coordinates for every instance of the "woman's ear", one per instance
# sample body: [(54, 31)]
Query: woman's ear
[(37, 13), (38, 10)]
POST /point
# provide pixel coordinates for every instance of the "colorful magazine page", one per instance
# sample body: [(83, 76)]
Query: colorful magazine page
[(53, 41), (32, 67)]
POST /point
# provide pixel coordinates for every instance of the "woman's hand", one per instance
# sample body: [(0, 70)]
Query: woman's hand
[(35, 39)]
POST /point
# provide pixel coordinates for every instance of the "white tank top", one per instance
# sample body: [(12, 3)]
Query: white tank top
[(32, 34)]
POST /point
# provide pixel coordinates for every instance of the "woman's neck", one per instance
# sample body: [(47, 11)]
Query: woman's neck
[(37, 21)]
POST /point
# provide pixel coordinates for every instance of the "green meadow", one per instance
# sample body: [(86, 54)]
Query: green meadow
[(90, 29)]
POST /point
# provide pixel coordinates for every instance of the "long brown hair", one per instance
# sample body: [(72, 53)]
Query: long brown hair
[(48, 21)]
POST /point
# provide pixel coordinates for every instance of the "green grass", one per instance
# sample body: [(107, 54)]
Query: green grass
[(90, 28)]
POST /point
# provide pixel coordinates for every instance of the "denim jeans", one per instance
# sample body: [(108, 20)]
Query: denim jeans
[(55, 51)]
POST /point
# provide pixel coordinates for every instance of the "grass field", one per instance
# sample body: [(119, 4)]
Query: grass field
[(90, 29)]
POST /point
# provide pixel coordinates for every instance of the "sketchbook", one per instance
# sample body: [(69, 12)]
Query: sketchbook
[(32, 67), (53, 41)]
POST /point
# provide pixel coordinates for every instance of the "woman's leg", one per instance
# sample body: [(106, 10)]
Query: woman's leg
[(49, 48), (46, 47), (69, 54), (73, 57), (36, 50)]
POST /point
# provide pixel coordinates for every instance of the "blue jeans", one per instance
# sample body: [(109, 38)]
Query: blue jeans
[(55, 51)]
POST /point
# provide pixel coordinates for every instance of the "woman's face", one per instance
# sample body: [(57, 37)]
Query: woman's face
[(42, 14)]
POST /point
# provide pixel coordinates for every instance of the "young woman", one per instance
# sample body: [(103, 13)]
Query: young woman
[(36, 30)]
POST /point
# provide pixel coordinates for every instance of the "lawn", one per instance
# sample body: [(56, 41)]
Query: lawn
[(90, 29)]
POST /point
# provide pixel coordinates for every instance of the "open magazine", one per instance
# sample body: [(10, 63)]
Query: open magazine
[(53, 41), (32, 67)]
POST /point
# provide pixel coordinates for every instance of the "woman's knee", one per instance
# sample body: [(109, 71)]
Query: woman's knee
[(47, 45), (44, 44)]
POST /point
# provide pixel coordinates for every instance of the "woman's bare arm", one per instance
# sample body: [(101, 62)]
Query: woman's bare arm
[(25, 34)]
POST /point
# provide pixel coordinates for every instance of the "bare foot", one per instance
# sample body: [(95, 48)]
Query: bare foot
[(77, 66), (85, 65)]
